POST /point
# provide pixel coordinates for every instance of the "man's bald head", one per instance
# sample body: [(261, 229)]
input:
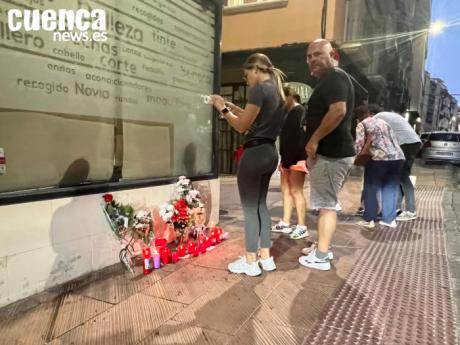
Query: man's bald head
[(320, 57), (321, 42)]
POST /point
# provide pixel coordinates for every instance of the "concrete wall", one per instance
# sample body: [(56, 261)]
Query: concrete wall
[(299, 21), (47, 243)]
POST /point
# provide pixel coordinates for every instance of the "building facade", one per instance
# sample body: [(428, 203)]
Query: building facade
[(392, 35), (382, 45), (440, 108), (82, 118)]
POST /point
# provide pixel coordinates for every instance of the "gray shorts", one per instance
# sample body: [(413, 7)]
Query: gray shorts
[(327, 177)]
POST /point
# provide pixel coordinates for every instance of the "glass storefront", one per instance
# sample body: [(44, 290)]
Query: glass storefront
[(91, 111)]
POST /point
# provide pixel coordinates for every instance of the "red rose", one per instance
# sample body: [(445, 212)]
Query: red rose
[(108, 197)]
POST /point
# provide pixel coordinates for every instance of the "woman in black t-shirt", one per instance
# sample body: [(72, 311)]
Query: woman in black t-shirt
[(293, 167), (261, 120)]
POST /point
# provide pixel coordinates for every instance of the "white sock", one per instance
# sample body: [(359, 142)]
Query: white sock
[(282, 223)]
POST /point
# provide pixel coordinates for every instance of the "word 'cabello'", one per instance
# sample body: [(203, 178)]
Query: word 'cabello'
[(62, 20)]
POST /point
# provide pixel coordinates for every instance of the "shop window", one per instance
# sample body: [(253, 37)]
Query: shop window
[(124, 110)]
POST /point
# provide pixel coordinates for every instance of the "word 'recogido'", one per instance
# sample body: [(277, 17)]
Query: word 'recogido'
[(62, 20)]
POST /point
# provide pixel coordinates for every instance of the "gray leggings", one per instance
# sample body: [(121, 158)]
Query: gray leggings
[(254, 172)]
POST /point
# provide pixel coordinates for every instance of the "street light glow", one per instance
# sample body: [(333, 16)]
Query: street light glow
[(437, 27)]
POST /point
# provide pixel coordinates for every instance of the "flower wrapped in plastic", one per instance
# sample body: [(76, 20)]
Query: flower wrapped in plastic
[(178, 211), (143, 226), (120, 216)]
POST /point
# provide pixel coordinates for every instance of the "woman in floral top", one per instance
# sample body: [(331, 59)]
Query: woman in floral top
[(383, 171)]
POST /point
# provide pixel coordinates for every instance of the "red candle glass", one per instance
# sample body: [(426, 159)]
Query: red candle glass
[(160, 242), (165, 256), (146, 265), (190, 247), (219, 235), (181, 250), (203, 249), (196, 251), (175, 257), (213, 240)]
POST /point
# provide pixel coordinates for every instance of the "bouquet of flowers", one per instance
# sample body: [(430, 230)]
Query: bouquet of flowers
[(178, 210), (120, 216), (185, 190), (143, 225)]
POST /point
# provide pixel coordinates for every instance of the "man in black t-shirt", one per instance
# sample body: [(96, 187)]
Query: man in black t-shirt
[(330, 146)]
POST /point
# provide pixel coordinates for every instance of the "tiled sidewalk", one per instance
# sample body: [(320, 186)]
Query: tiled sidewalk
[(198, 302), (398, 291)]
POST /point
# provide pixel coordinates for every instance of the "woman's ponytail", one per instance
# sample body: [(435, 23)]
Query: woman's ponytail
[(278, 77)]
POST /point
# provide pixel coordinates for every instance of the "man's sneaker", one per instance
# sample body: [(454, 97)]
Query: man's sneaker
[(314, 262), (299, 232), (311, 251), (370, 224), (390, 225), (406, 216), (268, 264), (283, 227), (241, 266)]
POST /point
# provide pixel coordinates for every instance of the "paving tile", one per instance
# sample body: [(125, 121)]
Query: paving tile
[(175, 333), (264, 284), (127, 323), (49, 320), (255, 332), (27, 328), (119, 287), (187, 284), (75, 310), (294, 304), (224, 309), (398, 291), (335, 336), (222, 255)]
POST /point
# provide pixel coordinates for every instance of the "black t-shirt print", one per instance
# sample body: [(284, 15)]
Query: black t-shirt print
[(334, 86)]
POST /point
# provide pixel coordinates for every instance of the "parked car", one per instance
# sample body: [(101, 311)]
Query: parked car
[(423, 138), (442, 147)]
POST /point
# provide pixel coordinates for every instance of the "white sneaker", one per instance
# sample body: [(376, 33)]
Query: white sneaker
[(390, 225), (268, 264), (241, 266), (299, 232), (312, 249), (370, 224), (283, 227), (314, 262), (406, 216), (338, 208)]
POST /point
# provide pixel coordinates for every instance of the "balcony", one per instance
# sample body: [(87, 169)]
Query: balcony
[(239, 6)]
